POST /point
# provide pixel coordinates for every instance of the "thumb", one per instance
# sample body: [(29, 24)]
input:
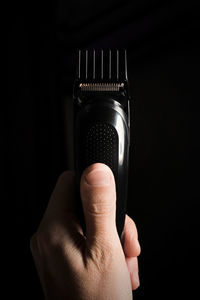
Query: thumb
[(98, 194)]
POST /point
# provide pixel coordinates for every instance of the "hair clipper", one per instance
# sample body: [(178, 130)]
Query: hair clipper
[(102, 121)]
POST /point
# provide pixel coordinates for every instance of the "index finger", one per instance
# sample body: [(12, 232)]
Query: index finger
[(62, 199)]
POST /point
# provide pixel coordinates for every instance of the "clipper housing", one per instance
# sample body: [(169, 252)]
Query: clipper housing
[(102, 121)]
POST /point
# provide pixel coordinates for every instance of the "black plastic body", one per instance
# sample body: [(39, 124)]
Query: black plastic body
[(102, 134)]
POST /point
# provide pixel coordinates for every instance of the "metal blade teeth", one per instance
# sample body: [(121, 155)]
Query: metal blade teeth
[(107, 87)]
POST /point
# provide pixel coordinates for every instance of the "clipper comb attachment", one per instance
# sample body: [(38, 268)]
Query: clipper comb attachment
[(102, 120), (101, 65)]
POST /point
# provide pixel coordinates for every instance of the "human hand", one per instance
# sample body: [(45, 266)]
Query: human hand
[(73, 266)]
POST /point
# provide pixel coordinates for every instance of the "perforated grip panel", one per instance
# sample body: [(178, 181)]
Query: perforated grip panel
[(102, 145)]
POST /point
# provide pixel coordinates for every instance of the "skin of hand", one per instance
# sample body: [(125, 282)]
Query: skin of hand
[(96, 266)]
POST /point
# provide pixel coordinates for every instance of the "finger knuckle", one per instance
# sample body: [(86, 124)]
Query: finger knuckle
[(44, 241), (49, 238), (138, 250), (100, 209)]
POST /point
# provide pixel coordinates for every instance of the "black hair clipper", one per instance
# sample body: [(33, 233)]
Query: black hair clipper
[(102, 120)]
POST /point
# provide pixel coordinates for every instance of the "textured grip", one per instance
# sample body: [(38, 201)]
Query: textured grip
[(102, 145)]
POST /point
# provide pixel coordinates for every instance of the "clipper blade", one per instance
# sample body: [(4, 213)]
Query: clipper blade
[(102, 73), (109, 87)]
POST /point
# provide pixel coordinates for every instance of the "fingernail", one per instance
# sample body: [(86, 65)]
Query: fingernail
[(99, 177)]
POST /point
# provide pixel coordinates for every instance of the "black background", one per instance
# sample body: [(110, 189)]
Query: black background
[(161, 38)]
